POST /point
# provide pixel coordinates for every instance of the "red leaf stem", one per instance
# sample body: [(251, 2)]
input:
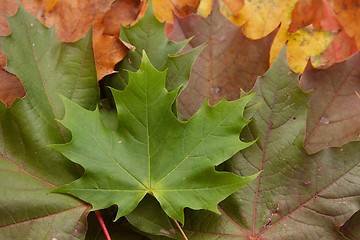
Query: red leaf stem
[(102, 224)]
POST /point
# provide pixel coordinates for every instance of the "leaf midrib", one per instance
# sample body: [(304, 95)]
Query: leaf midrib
[(268, 131), (312, 198), (114, 160), (333, 99), (42, 81), (187, 156)]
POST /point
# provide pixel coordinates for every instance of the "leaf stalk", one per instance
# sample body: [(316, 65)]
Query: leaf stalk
[(181, 230), (102, 224)]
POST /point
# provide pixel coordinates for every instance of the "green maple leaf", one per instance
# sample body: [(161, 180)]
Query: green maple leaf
[(149, 34), (152, 151)]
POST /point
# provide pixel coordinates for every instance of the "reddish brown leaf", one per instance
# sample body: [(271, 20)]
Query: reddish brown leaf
[(230, 61), (334, 114), (123, 12), (7, 7), (306, 12), (329, 21), (184, 8), (10, 85)]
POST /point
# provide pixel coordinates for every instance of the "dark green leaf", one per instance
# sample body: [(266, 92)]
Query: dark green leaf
[(28, 169)]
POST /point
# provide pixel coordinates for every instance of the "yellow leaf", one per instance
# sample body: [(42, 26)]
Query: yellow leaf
[(50, 4), (164, 10), (261, 17), (204, 8), (305, 43)]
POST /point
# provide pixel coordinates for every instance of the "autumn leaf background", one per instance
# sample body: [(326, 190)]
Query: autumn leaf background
[(244, 39)]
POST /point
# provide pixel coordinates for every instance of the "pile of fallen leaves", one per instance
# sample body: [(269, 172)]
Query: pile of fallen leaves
[(325, 30), (299, 57)]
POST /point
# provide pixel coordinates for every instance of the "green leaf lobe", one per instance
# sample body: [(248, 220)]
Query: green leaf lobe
[(152, 151)]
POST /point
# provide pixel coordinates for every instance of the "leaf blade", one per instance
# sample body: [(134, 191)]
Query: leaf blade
[(161, 52), (296, 191), (167, 151), (28, 126), (333, 117)]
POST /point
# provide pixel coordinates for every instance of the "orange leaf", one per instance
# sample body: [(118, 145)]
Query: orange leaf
[(73, 18), (307, 12), (234, 6), (348, 13), (50, 4), (164, 8), (343, 45), (108, 49)]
